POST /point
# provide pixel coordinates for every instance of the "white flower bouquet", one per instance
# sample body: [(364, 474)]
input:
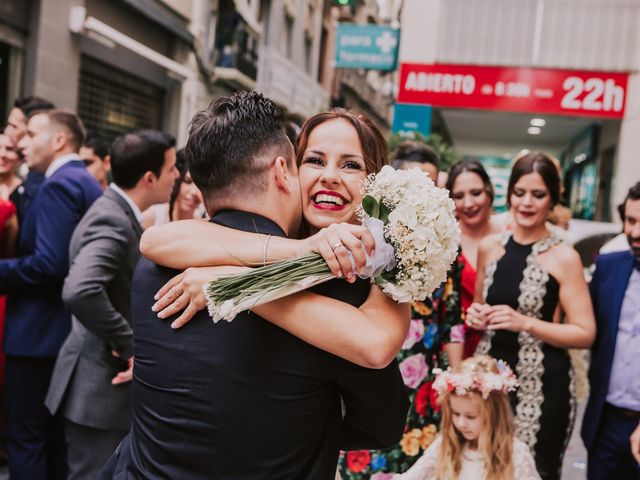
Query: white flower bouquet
[(417, 237)]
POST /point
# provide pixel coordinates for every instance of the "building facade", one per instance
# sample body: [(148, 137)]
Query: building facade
[(598, 152), (126, 64)]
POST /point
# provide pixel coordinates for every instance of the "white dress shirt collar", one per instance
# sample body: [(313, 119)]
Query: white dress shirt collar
[(59, 162)]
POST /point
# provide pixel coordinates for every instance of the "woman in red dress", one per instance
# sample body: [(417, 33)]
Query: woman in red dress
[(471, 189), (9, 181)]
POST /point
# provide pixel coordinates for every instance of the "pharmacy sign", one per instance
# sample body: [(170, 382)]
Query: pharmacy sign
[(374, 47)]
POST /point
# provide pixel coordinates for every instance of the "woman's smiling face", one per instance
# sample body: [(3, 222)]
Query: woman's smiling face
[(530, 201), (332, 171), (473, 203)]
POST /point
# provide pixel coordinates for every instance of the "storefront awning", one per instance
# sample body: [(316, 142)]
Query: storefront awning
[(80, 23), (153, 10)]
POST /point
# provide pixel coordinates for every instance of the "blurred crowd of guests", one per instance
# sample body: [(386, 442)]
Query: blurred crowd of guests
[(518, 293), (73, 208)]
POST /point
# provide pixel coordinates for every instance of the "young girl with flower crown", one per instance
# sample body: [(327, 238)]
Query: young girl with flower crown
[(477, 440)]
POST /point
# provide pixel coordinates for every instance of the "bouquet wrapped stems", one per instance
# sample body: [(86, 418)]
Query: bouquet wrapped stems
[(416, 234), (236, 293)]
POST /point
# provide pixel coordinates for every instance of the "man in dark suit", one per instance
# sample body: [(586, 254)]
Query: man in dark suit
[(613, 410), (245, 399), (89, 387), (36, 321)]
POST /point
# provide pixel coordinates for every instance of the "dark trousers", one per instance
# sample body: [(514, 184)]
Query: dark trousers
[(35, 439), (610, 455), (88, 449)]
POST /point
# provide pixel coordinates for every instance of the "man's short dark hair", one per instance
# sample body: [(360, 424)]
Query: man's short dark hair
[(228, 139), (31, 105), (70, 122), (135, 153), (632, 194), (97, 144), (411, 151)]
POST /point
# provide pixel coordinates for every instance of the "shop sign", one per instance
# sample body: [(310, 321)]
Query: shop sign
[(411, 118), (373, 47), (530, 90)]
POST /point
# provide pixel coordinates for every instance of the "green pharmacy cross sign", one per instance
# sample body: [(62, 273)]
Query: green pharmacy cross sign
[(374, 47)]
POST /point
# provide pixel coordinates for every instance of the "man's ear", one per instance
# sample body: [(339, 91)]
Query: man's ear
[(282, 174), (107, 163), (148, 179), (59, 140)]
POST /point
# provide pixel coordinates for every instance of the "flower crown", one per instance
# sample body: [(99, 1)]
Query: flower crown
[(475, 380)]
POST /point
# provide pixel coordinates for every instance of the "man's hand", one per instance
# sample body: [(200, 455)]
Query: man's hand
[(635, 444), (334, 244), (124, 376), (183, 293)]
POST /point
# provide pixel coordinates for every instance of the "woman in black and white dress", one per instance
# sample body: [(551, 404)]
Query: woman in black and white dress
[(526, 278)]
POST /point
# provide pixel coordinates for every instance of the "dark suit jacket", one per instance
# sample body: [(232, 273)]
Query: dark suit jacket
[(97, 291), (25, 193), (36, 321), (607, 287), (245, 399)]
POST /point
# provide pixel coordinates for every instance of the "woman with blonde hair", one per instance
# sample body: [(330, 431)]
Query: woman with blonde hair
[(477, 438)]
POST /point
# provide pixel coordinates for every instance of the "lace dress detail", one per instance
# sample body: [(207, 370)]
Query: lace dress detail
[(524, 468), (530, 366), (523, 463), (544, 404)]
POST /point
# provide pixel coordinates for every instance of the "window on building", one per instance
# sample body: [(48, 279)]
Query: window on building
[(112, 102), (308, 54), (287, 37)]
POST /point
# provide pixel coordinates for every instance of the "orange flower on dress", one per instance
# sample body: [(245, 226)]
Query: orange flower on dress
[(428, 436), (410, 442), (421, 308)]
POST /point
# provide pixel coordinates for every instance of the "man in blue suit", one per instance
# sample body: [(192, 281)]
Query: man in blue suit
[(36, 321), (613, 410), (16, 129)]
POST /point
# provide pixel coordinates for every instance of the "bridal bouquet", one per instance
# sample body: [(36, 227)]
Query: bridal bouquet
[(417, 237)]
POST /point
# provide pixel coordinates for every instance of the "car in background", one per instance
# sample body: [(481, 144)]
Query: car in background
[(588, 237)]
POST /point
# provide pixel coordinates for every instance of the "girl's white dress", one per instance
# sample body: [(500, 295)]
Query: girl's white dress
[(472, 464)]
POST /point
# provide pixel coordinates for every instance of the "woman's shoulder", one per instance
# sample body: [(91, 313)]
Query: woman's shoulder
[(491, 241), (565, 257), (490, 246)]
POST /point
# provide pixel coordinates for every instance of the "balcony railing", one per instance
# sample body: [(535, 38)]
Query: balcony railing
[(236, 47), (289, 85)]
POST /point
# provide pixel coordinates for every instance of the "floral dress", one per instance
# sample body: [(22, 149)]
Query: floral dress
[(434, 322)]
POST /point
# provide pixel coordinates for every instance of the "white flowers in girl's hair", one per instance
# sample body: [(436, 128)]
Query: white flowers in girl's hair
[(420, 224), (417, 238), (475, 381)]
